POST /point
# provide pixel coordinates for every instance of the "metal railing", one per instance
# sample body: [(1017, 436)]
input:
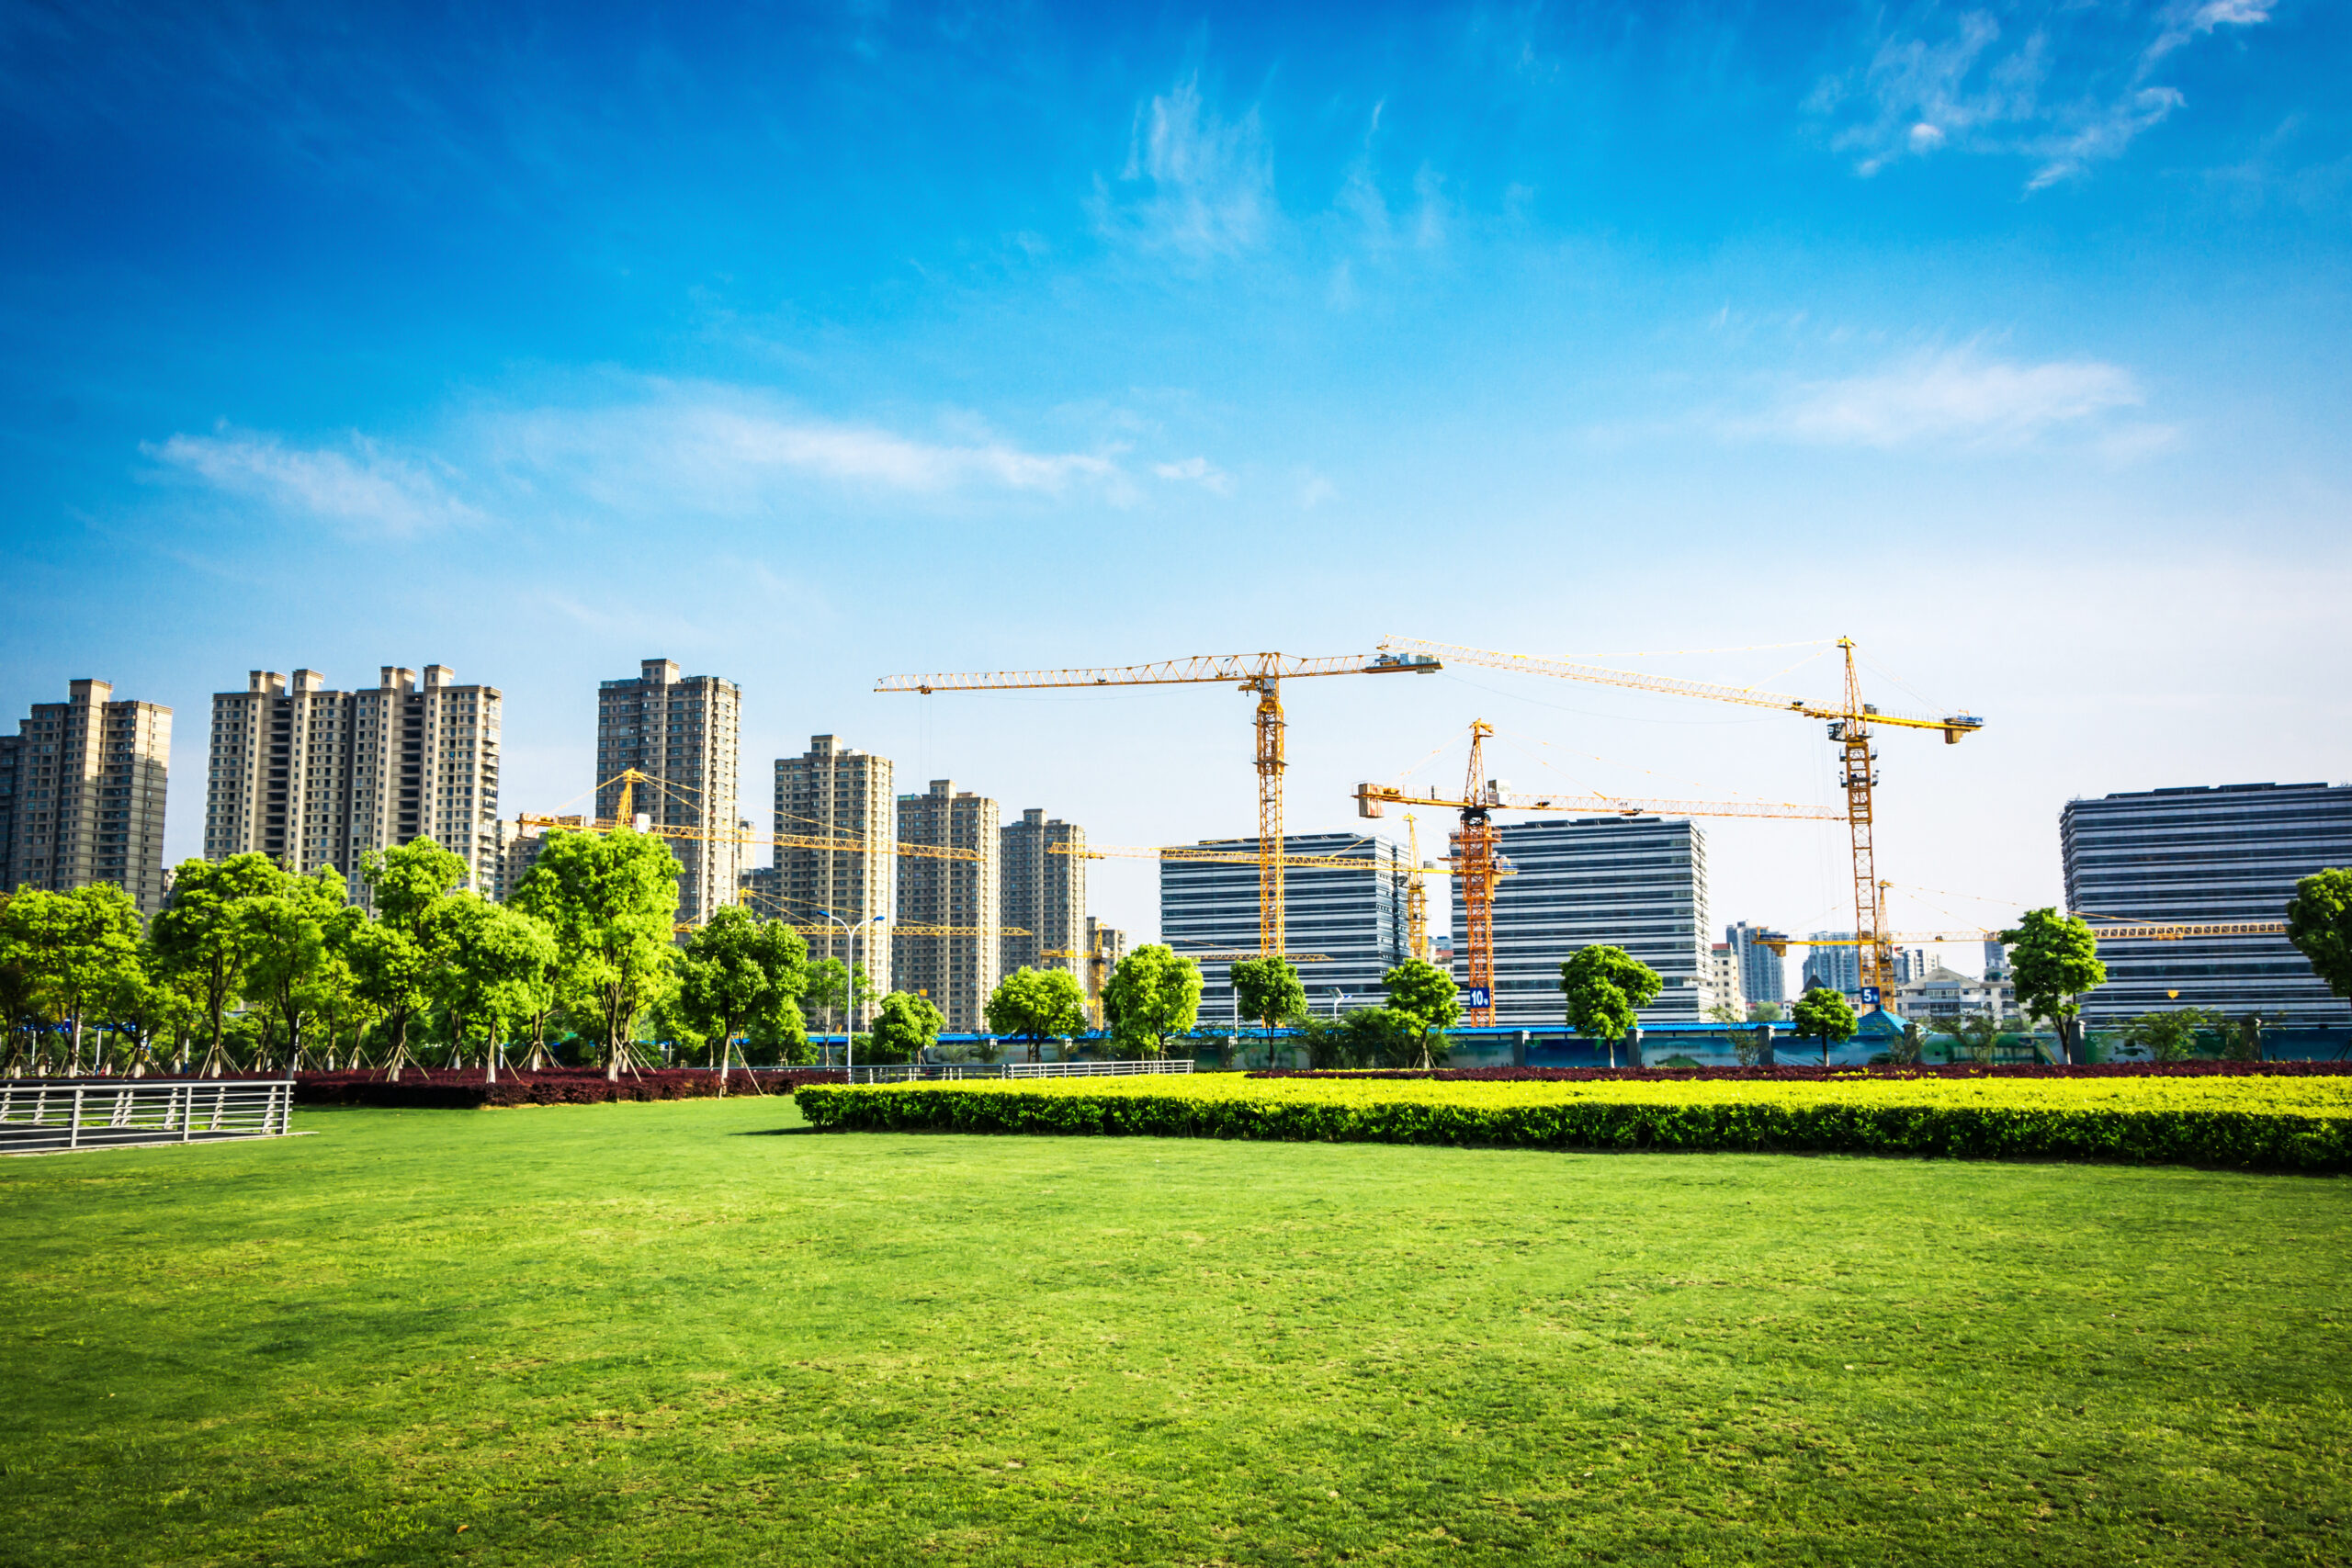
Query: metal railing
[(40, 1115), (941, 1072)]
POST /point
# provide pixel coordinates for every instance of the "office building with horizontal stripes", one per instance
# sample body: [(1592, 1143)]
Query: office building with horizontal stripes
[(1354, 920), (1636, 882), (2202, 855)]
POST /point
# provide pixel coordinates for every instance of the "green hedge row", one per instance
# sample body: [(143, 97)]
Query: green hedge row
[(2246, 1140)]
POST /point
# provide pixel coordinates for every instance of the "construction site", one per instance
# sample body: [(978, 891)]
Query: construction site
[(930, 893)]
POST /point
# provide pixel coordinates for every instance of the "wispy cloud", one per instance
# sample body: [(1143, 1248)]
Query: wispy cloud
[(358, 485), (664, 447), (1952, 397), (1199, 472), (1195, 182), (2072, 87)]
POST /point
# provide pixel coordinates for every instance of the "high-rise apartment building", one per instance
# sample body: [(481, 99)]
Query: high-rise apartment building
[(1763, 970), (834, 793), (681, 732), (1838, 967), (1723, 990), (1639, 883), (2200, 855), (312, 777), (82, 785), (1044, 878), (1355, 919), (955, 967)]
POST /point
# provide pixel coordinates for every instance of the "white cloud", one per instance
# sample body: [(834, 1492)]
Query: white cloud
[(1203, 186), (362, 487), (1199, 472), (1950, 397), (2071, 90), (1314, 490), (663, 448)]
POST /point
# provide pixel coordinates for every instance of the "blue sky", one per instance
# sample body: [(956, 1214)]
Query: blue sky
[(808, 344)]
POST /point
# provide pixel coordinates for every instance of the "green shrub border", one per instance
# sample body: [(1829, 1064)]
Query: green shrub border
[(2242, 1140)]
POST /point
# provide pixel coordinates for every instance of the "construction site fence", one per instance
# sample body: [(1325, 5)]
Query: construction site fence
[(910, 1072), (51, 1115)]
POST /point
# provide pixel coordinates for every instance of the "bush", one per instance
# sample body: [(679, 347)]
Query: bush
[(445, 1090), (2278, 1121)]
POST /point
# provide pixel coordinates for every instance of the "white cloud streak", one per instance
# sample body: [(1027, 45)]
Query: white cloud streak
[(1955, 397), (1196, 184), (2062, 100), (361, 488)]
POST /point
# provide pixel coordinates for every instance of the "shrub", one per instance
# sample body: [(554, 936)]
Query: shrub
[(444, 1090), (2278, 1121)]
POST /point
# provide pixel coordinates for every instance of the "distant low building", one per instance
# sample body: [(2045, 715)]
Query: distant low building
[(1724, 989), (1941, 993)]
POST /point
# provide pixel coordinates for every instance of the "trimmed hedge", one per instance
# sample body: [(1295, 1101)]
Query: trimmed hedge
[(1818, 1073), (2253, 1140), (440, 1089)]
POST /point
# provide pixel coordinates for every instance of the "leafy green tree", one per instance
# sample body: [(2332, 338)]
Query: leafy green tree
[(737, 974), (1826, 1016), (905, 1026), (611, 901), (204, 933), (841, 987), (1268, 990), (1426, 999), (2170, 1035), (2054, 960), (490, 968), (1765, 1012), (1034, 1004), (298, 934), (406, 882), (2319, 921), (78, 946), (394, 970), (1607, 987), (1153, 993)]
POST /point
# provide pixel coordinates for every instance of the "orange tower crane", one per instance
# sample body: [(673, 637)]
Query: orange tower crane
[(1852, 724), (1476, 862), (1260, 674)]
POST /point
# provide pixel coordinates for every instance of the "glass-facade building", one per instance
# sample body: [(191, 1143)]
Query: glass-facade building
[(2203, 855), (1354, 918), (1636, 882)]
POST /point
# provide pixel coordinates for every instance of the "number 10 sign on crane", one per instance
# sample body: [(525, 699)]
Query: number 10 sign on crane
[(1260, 673)]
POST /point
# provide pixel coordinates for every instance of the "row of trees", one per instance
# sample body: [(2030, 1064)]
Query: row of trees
[(249, 967)]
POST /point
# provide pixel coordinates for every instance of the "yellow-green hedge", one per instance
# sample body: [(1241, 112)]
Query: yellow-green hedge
[(2277, 1124)]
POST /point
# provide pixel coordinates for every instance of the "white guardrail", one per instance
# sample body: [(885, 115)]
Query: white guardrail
[(937, 1072), (42, 1115)]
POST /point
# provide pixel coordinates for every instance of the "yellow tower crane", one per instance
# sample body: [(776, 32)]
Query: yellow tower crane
[(1476, 862), (1260, 674), (1852, 724)]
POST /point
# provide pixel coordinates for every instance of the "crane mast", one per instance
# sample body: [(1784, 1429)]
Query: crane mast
[(1258, 674)]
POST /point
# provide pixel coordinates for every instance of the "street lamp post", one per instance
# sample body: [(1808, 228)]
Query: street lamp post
[(849, 978)]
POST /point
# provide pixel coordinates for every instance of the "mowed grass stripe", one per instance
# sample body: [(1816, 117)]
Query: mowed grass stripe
[(655, 1334)]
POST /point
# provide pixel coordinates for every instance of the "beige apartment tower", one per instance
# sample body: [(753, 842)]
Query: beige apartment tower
[(956, 969), (312, 777), (681, 732), (82, 785), (841, 796), (1045, 895)]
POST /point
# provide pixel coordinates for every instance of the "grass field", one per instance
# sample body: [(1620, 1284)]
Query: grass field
[(659, 1334)]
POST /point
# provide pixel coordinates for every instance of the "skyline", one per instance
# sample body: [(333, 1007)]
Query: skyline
[(812, 348)]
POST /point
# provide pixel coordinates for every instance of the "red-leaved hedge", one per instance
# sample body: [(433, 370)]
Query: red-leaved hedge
[(440, 1089)]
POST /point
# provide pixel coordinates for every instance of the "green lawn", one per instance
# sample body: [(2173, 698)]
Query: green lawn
[(657, 1333)]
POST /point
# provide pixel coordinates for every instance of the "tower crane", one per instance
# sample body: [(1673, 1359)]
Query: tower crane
[(1852, 723), (1260, 674), (1478, 863)]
